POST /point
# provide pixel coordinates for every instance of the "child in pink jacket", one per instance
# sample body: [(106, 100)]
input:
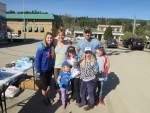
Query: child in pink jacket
[(102, 76)]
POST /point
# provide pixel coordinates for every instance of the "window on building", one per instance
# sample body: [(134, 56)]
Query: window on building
[(29, 28), (41, 29), (35, 29), (101, 28), (24, 28), (118, 29)]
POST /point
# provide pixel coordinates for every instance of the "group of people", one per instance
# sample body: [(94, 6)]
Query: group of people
[(84, 67)]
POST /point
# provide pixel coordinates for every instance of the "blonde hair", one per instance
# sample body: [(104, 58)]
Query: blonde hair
[(61, 31), (92, 61), (63, 68), (52, 45)]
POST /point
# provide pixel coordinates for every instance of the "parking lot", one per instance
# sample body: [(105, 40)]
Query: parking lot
[(126, 91)]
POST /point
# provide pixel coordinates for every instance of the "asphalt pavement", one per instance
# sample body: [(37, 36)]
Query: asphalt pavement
[(126, 91)]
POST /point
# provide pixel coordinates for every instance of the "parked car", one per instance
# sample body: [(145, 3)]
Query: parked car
[(148, 44), (79, 38), (67, 38), (133, 43), (111, 42), (15, 35)]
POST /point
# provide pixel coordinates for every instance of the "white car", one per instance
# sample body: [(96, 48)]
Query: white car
[(79, 38), (15, 34), (67, 38)]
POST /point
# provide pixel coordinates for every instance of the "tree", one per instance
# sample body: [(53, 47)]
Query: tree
[(103, 21), (108, 33), (11, 12), (144, 39), (140, 31), (128, 35), (143, 23), (128, 27)]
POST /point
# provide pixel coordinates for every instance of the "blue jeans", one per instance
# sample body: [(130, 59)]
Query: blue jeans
[(89, 86)]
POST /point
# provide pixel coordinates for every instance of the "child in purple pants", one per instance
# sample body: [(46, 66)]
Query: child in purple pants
[(63, 82)]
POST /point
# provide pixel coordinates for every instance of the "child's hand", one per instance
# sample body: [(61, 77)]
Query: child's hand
[(96, 66), (60, 85), (78, 56), (41, 47), (38, 74), (105, 79), (107, 66)]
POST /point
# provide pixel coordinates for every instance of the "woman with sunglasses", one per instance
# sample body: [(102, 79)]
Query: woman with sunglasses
[(89, 68)]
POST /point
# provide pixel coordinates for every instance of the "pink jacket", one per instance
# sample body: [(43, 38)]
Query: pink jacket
[(105, 68)]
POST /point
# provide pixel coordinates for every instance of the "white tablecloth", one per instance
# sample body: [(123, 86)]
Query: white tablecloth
[(8, 74)]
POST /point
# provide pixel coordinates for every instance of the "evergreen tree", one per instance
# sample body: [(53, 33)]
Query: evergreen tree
[(108, 33)]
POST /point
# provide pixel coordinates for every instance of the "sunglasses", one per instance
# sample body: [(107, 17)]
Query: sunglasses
[(88, 52), (87, 31)]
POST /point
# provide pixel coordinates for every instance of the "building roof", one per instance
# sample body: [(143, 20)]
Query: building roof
[(95, 31), (33, 16), (81, 30)]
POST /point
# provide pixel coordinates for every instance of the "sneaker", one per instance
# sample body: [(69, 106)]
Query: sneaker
[(72, 99), (89, 107), (50, 100), (101, 102), (81, 105)]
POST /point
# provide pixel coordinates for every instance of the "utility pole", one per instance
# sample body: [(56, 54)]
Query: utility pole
[(24, 22), (134, 25)]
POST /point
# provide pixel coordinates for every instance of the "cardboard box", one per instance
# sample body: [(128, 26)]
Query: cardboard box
[(30, 84)]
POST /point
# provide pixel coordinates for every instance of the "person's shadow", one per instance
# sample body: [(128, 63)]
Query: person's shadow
[(110, 84), (36, 104), (107, 87)]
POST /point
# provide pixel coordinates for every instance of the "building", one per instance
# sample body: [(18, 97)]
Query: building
[(117, 31), (3, 24), (33, 25)]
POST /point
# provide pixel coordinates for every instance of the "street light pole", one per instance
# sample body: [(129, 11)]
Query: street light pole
[(134, 25), (24, 22)]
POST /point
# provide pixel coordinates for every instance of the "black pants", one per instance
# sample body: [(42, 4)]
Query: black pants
[(72, 89), (77, 90), (46, 79), (97, 90)]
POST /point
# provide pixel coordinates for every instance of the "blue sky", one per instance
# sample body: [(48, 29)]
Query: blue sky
[(90, 8)]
